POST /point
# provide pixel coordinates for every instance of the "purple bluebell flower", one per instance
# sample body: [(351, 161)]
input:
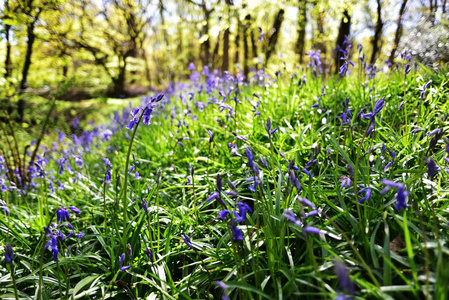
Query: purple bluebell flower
[(223, 287), (75, 210), (312, 230), (433, 132), (262, 34), (294, 180), (432, 168), (234, 149), (401, 105), (401, 195), (310, 214), (121, 261), (342, 273), (129, 249), (9, 254), (145, 205), (187, 240), (237, 234), (3, 206), (222, 214), (219, 182), (211, 135), (80, 235), (54, 248), (367, 191), (290, 216), (307, 202), (213, 196), (149, 253), (345, 181), (62, 215)]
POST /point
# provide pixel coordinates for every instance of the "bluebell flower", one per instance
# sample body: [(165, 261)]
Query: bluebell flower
[(62, 215), (187, 240), (268, 127), (219, 182), (262, 34), (149, 253), (432, 168), (367, 191), (345, 181), (401, 105), (80, 235), (294, 180), (3, 206), (211, 135), (75, 210), (121, 261), (290, 216), (434, 132), (342, 273), (9, 254), (310, 214), (307, 202), (237, 234), (54, 248), (401, 195), (145, 205), (222, 214), (223, 287), (312, 230)]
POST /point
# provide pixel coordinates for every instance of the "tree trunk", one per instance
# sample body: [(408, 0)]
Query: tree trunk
[(206, 44), (275, 35), (398, 34), (237, 43), (119, 81), (225, 62), (26, 68), (216, 54), (343, 31), (376, 42), (246, 46), (8, 62), (254, 44), (29, 52), (302, 22)]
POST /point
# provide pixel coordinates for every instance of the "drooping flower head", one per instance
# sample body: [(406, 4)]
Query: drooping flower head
[(9, 254)]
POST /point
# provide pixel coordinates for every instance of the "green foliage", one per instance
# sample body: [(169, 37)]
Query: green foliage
[(390, 253)]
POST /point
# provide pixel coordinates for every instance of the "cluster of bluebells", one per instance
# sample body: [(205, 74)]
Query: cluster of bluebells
[(344, 50), (55, 232), (291, 216), (372, 115), (401, 193)]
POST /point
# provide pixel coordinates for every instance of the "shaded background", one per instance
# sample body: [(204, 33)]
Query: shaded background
[(122, 48)]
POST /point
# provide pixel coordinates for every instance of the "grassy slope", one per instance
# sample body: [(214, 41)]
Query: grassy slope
[(389, 253)]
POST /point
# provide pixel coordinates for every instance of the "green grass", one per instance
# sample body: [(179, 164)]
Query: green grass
[(389, 253)]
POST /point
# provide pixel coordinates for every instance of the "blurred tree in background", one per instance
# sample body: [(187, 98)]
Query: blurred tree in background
[(123, 48)]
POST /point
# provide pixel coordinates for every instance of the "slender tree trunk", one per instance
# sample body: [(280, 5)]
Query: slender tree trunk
[(443, 7), (254, 44), (8, 62), (216, 53), (376, 42), (237, 43), (206, 44), (29, 52), (147, 67), (246, 46), (343, 31), (272, 42), (398, 34), (225, 63), (302, 22)]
